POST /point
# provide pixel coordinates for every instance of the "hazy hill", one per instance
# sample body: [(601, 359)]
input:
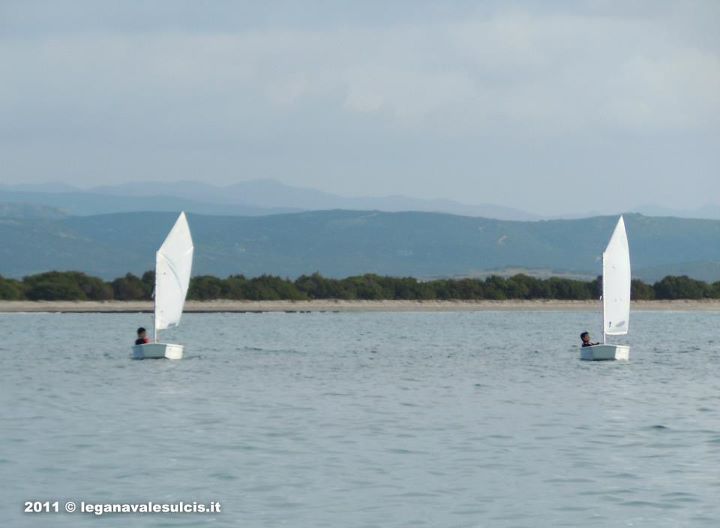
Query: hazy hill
[(262, 197), (76, 202), (29, 210), (246, 198), (340, 243), (271, 193)]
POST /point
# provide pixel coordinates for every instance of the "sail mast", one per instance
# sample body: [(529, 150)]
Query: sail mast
[(602, 297), (155, 318)]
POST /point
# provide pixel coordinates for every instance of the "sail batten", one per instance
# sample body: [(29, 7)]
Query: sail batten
[(173, 266), (616, 283)]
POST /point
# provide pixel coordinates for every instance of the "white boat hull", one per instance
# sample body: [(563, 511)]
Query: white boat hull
[(605, 353), (158, 351)]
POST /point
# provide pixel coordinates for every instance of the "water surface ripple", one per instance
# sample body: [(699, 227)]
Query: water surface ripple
[(483, 419)]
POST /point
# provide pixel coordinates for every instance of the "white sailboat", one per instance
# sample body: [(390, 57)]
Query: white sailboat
[(616, 297), (173, 264)]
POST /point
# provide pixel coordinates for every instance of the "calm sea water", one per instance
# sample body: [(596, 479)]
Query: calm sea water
[(346, 420)]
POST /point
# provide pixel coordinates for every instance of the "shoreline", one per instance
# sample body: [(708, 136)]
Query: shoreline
[(331, 305)]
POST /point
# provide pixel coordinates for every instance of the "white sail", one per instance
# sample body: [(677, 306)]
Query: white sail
[(173, 265), (616, 283)]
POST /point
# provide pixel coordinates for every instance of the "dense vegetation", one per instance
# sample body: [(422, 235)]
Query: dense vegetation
[(76, 286)]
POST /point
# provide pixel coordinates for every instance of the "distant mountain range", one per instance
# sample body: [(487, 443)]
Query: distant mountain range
[(247, 198), (341, 243), (83, 203), (709, 211), (263, 197)]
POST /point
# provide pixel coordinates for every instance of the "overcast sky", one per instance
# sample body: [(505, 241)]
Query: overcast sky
[(549, 106)]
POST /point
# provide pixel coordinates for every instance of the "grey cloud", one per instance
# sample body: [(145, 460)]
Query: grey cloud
[(520, 105)]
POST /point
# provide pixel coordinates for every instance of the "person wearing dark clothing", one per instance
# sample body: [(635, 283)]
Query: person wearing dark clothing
[(585, 336), (142, 338)]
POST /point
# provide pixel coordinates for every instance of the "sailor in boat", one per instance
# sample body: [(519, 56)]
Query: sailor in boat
[(142, 338), (585, 336)]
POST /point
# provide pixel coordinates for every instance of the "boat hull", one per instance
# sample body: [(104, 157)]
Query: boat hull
[(605, 353), (158, 351)]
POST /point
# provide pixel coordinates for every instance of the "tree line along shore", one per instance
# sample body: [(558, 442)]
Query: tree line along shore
[(77, 286)]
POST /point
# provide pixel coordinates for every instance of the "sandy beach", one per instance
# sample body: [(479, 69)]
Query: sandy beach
[(345, 306)]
